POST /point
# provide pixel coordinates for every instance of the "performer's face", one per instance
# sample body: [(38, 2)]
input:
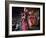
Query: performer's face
[(23, 15), (31, 19)]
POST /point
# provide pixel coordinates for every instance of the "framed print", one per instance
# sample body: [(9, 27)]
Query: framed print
[(24, 18)]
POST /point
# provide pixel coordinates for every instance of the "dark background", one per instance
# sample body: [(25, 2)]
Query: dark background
[(16, 17)]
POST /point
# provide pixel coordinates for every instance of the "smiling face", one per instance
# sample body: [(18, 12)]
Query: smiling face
[(32, 19)]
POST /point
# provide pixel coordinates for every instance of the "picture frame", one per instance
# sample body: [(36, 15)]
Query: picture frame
[(8, 18)]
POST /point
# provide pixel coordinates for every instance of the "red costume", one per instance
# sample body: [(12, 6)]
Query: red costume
[(24, 25)]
